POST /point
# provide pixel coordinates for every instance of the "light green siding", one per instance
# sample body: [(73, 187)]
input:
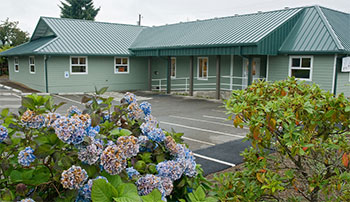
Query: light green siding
[(100, 74), (35, 81), (322, 73), (343, 83)]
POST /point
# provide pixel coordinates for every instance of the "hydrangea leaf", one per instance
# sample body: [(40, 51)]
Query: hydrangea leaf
[(127, 193), (103, 191), (114, 180), (154, 196)]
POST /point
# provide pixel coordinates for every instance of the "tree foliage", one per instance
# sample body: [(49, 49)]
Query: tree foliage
[(11, 35), (300, 144), (79, 9)]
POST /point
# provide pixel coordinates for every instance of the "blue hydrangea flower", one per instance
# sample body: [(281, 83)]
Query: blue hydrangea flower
[(186, 157), (146, 108), (128, 145), (92, 131), (147, 183), (70, 130), (73, 110), (129, 98), (166, 187), (171, 169), (84, 194), (132, 172), (27, 200), (3, 133), (156, 135), (26, 157), (51, 118), (134, 111), (30, 120), (149, 124), (142, 142), (91, 153), (74, 177)]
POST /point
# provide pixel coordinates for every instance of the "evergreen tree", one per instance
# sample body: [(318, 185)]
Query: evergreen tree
[(79, 9)]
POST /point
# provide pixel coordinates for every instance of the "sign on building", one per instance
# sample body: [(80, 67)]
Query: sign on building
[(346, 64)]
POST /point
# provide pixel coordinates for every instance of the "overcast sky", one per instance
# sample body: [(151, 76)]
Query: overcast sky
[(154, 12)]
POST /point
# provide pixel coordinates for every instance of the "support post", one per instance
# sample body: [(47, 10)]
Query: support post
[(250, 68), (191, 76), (46, 74), (168, 77), (149, 74), (218, 77)]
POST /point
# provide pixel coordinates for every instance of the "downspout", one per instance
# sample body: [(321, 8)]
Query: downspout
[(46, 74)]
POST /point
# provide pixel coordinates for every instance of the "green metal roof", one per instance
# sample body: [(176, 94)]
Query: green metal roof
[(319, 30), (82, 37), (227, 31), (27, 48)]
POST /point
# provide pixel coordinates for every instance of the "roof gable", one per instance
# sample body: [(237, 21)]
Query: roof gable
[(313, 33), (42, 30)]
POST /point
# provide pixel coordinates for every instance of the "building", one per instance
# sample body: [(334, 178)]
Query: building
[(220, 54)]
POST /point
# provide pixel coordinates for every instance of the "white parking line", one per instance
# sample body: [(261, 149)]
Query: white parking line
[(9, 99), (204, 121), (216, 110), (68, 99), (201, 129), (199, 141), (215, 117), (17, 96), (215, 160), (9, 106)]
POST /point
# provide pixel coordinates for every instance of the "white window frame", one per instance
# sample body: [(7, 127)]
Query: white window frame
[(173, 58), (117, 65), (14, 64), (298, 68), (71, 65), (202, 78), (30, 69)]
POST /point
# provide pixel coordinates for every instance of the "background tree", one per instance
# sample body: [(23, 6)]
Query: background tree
[(79, 9), (11, 35)]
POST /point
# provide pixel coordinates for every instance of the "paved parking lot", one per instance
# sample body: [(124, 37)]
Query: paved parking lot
[(214, 140)]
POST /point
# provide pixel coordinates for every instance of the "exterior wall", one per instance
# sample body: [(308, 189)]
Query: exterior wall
[(343, 83), (35, 81), (100, 74), (159, 70), (322, 73)]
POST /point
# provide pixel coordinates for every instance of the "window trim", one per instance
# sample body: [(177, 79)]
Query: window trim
[(115, 65), (14, 63), (300, 57), (173, 58), (30, 70), (204, 79), (77, 73)]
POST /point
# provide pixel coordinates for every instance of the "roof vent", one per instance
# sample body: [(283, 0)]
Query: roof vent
[(286, 7), (236, 15), (259, 11)]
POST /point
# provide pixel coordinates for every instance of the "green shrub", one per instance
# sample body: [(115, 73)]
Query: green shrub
[(105, 153), (300, 144)]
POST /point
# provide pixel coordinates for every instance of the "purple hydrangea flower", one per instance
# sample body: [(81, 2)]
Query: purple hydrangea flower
[(146, 108), (27, 200), (73, 110), (74, 177), (186, 157), (26, 157), (134, 111), (147, 183), (128, 145), (171, 169), (132, 172), (113, 160), (91, 153), (3, 133), (30, 120), (70, 130), (166, 187)]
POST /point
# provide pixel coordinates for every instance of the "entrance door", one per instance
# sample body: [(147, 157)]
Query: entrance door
[(255, 71)]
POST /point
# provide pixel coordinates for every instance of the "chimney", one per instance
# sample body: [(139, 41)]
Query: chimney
[(286, 8), (139, 22)]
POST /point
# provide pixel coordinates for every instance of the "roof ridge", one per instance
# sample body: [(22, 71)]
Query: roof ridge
[(232, 16), (90, 21), (335, 10), (46, 44), (329, 28)]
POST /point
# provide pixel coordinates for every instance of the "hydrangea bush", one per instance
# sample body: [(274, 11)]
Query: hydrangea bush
[(104, 153)]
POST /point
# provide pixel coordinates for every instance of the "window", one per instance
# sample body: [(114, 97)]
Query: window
[(301, 67), (32, 64), (121, 65), (78, 65), (16, 64), (173, 67), (203, 68)]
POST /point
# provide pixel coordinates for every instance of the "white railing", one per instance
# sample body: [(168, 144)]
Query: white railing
[(177, 85)]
